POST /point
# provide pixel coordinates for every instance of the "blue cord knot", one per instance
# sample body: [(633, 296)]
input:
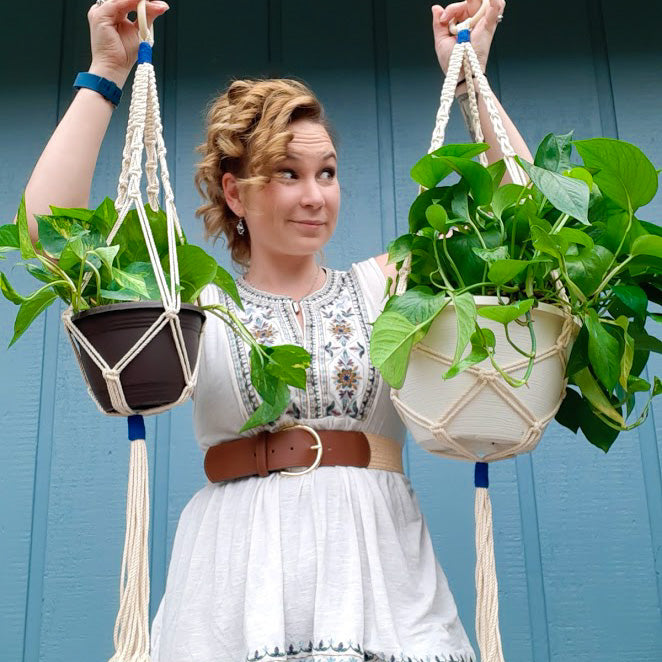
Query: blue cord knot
[(464, 36), (136, 427), (481, 477), (144, 52)]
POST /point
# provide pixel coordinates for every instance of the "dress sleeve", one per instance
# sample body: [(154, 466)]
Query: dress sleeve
[(372, 282)]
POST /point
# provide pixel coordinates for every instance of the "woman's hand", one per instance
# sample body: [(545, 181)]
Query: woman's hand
[(114, 38), (481, 34)]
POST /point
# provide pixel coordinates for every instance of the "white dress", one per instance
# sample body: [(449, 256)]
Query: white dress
[(333, 566)]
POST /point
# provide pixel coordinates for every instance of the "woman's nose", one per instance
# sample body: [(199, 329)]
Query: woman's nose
[(312, 196)]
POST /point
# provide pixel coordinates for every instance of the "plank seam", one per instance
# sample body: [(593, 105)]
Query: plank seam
[(533, 559)]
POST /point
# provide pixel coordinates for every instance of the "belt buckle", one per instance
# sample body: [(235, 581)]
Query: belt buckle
[(316, 446)]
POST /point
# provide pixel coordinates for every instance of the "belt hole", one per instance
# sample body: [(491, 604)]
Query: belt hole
[(291, 448), (272, 450)]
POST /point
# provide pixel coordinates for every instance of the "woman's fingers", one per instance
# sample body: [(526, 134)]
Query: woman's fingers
[(118, 9), (493, 12)]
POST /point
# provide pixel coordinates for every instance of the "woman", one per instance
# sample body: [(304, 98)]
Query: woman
[(337, 563)]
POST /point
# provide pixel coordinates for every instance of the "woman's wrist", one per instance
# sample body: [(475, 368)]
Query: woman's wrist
[(113, 74)]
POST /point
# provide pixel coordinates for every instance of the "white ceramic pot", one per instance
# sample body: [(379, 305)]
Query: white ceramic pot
[(476, 415)]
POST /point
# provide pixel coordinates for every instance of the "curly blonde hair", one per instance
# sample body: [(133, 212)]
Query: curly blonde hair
[(247, 135)]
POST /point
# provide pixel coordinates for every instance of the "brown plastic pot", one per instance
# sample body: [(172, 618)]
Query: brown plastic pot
[(154, 378)]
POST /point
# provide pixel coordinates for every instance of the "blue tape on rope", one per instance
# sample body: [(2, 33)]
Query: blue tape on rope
[(463, 36), (144, 53), (481, 478), (136, 427)]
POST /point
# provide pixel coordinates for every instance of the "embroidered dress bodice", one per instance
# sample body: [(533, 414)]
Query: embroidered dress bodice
[(344, 390), (336, 565)]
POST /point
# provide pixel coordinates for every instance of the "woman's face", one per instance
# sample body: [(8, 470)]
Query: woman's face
[(296, 212)]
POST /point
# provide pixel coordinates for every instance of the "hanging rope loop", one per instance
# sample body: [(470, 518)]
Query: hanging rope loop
[(470, 23)]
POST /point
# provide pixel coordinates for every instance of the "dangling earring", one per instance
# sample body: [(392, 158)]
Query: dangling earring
[(240, 226)]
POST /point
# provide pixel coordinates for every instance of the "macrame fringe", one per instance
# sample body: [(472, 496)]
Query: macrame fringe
[(131, 633)]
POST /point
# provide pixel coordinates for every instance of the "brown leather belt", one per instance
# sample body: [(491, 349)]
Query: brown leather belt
[(300, 446)]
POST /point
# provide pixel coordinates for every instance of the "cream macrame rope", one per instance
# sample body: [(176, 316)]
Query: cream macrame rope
[(487, 594)]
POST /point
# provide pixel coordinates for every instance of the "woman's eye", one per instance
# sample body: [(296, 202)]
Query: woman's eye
[(329, 173), (286, 173)]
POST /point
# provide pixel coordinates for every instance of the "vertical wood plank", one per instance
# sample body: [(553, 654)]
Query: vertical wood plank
[(28, 111)]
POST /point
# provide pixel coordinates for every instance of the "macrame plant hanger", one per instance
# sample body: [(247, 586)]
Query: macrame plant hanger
[(464, 58), (144, 133)]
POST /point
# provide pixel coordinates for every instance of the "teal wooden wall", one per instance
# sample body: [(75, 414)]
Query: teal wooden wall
[(578, 533)]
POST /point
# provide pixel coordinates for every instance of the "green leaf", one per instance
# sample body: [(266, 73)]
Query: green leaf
[(582, 174), (497, 170), (603, 350), (503, 271), (477, 176), (593, 393), (120, 295), (505, 197), (492, 255), (570, 196), (196, 270), (107, 254), (55, 232), (477, 355), (575, 413), (647, 244), (465, 315), (589, 267), (576, 237), (419, 305), (103, 218), (269, 411), (504, 314), (627, 357), (75, 213), (9, 236), (29, 310), (634, 298), (568, 413), (554, 152), (225, 281), (289, 363), (391, 342), (9, 292), (579, 354), (24, 239), (430, 169), (134, 282), (437, 218), (400, 248), (624, 172), (645, 342), (657, 317), (442, 195)]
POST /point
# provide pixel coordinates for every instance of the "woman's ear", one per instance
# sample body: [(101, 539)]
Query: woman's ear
[(231, 192)]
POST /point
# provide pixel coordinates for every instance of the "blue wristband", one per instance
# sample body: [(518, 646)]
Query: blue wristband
[(106, 88)]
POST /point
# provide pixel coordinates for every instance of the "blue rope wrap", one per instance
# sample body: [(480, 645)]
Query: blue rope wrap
[(481, 478), (144, 53), (463, 36), (136, 427)]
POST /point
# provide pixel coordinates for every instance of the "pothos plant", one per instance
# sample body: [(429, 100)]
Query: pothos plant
[(73, 243), (570, 238)]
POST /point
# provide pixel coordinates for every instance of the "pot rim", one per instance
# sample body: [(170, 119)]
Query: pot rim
[(130, 306)]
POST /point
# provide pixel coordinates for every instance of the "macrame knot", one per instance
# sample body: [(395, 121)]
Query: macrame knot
[(488, 376), (110, 374), (170, 314)]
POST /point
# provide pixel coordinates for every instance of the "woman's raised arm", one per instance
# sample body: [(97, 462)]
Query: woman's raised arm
[(64, 171)]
